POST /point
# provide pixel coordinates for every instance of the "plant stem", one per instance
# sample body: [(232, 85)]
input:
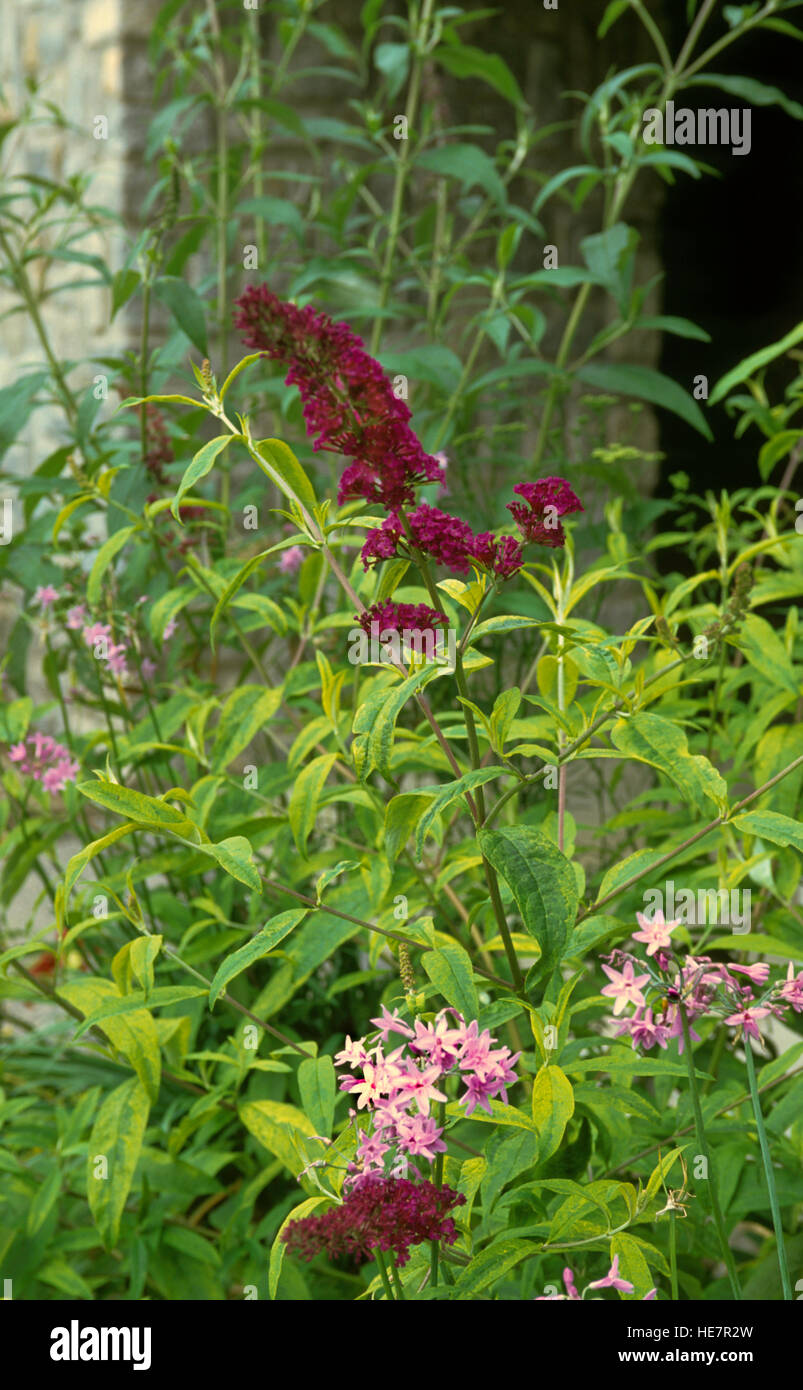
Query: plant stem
[(702, 1144), (383, 1274), (397, 1283), (673, 1255), (417, 46), (769, 1172), (438, 1176)]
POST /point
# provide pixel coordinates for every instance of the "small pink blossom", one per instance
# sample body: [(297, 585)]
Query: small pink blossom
[(291, 560), (656, 933), (45, 595), (625, 987), (76, 616), (746, 1018), (612, 1280)]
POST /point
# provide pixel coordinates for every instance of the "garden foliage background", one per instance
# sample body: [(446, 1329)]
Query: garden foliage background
[(248, 845)]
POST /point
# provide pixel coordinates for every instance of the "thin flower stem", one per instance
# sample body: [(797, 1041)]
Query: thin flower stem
[(397, 1283), (383, 1274), (702, 1144), (673, 1256), (769, 1172), (438, 1178), (418, 50)]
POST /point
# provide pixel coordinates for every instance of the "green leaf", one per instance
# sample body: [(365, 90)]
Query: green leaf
[(317, 1085), (281, 1129), (145, 810), (277, 212), (461, 60), (103, 559), (135, 961), (14, 719), (247, 710), (235, 855), (257, 948), (279, 1248), (305, 797), (136, 1001), (769, 825), (79, 861), (186, 307), (283, 468), (449, 792), (752, 364), (753, 92), (381, 723), (632, 1265), (46, 1196), (468, 163), (645, 384), (117, 1137), (135, 1035), (766, 652), (235, 584), (449, 968), (199, 467), (491, 1264), (402, 815), (613, 11), (553, 1107), (543, 884), (649, 738)]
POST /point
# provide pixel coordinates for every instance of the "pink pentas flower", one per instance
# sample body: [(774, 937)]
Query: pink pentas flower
[(625, 987), (419, 1085), (419, 1135), (96, 633), (76, 616), (291, 559), (46, 761), (758, 973), (149, 668), (354, 1054), (645, 1032), (791, 991), (656, 933), (392, 1023), (45, 595), (746, 1018), (612, 1280)]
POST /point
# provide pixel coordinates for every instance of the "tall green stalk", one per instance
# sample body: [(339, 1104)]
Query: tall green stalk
[(702, 1144), (769, 1172)]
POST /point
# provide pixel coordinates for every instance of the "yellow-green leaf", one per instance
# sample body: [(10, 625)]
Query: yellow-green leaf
[(553, 1107), (116, 1138)]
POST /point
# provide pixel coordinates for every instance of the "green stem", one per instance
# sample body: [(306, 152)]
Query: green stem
[(673, 1255), (397, 1283), (383, 1274), (434, 1245), (418, 46), (769, 1172), (727, 1253)]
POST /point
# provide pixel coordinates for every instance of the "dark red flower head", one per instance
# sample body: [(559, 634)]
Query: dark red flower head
[(401, 617), (388, 1213), (547, 501), (349, 404)]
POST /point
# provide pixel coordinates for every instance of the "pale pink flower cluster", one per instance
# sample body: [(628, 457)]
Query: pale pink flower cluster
[(397, 1089), (98, 636), (701, 985), (41, 757), (612, 1280)]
